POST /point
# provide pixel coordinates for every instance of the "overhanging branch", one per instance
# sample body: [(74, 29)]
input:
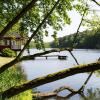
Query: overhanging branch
[(37, 29), (31, 57), (96, 2), (51, 78)]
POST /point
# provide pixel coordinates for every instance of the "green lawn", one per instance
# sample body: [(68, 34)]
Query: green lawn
[(11, 77)]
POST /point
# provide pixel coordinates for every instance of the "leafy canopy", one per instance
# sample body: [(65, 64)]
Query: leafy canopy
[(30, 21)]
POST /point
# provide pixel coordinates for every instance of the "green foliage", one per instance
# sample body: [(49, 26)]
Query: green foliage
[(7, 52), (47, 45), (12, 77), (85, 40), (30, 21), (93, 22), (33, 45), (55, 38), (81, 8), (93, 94)]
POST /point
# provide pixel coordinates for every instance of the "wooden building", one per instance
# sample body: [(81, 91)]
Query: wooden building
[(13, 41)]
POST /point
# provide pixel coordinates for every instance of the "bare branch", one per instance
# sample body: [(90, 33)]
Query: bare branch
[(74, 57), (65, 88), (76, 34), (74, 40), (96, 2), (75, 37), (83, 86), (43, 53), (53, 93)]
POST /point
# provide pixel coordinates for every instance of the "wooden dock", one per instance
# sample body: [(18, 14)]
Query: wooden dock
[(60, 57)]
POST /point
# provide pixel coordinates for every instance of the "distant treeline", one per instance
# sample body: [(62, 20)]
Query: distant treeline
[(33, 45), (85, 40)]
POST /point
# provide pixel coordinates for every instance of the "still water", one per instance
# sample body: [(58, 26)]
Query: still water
[(41, 66)]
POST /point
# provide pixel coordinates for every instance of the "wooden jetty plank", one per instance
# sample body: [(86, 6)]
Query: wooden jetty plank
[(49, 56), (61, 57)]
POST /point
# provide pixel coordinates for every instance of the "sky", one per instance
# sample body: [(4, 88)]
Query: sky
[(75, 21), (68, 29)]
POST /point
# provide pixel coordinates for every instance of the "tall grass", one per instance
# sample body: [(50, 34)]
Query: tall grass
[(11, 77)]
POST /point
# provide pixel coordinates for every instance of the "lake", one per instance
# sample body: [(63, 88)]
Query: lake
[(41, 66)]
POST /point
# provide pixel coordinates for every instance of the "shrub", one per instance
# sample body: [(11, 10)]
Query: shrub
[(7, 52)]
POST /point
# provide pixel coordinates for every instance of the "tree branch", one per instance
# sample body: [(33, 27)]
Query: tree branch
[(50, 78), (39, 26), (96, 2), (17, 17), (74, 40), (65, 88), (17, 59), (53, 93), (74, 57), (75, 37), (30, 57), (83, 86)]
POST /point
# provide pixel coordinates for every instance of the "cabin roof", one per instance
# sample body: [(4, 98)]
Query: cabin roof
[(13, 35)]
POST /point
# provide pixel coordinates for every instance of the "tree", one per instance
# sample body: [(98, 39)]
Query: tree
[(60, 9), (30, 20)]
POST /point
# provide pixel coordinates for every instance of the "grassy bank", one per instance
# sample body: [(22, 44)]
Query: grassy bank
[(11, 77)]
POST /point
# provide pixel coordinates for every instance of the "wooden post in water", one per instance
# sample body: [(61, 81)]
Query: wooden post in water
[(62, 57), (46, 57)]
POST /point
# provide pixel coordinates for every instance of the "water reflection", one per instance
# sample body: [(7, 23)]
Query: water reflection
[(41, 66)]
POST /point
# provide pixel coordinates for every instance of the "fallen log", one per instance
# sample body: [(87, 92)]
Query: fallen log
[(54, 93)]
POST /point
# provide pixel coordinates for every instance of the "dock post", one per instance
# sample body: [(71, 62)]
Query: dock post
[(46, 57), (62, 57)]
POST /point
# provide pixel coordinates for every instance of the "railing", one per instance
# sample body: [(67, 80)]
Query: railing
[(16, 47), (4, 46)]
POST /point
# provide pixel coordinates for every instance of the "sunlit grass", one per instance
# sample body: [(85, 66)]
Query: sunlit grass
[(4, 60), (11, 77)]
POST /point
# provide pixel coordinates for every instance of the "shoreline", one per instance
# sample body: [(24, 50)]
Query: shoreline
[(12, 77), (4, 60)]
